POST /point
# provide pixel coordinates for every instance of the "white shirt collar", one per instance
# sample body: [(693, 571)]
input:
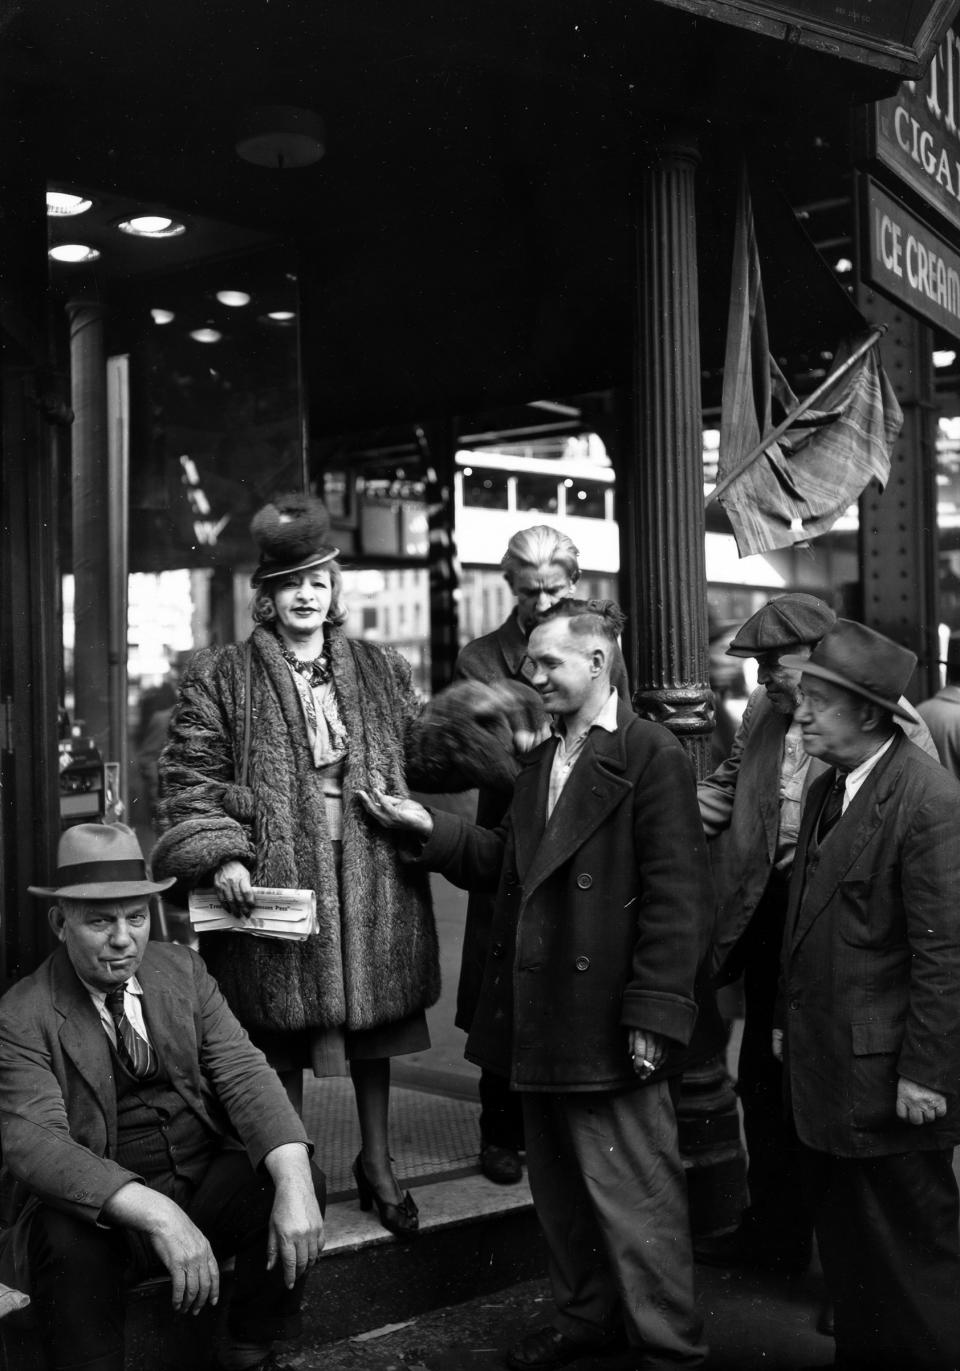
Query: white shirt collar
[(859, 774), (99, 997), (605, 719)]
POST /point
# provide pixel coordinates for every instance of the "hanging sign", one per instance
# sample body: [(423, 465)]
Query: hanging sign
[(893, 35), (907, 260), (916, 134)]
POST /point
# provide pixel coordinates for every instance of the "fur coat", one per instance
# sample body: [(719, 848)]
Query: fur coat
[(375, 958)]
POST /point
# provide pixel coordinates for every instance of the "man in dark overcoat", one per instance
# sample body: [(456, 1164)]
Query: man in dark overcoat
[(871, 1009), (603, 910), (541, 567)]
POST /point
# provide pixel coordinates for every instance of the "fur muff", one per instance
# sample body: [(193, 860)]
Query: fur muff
[(375, 959)]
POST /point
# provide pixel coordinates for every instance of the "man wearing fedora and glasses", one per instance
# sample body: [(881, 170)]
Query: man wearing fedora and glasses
[(870, 1008), (141, 1130)]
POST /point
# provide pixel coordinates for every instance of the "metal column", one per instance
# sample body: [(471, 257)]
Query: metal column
[(665, 531), (898, 528), (29, 597)]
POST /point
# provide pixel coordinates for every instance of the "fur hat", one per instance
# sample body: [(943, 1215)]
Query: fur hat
[(293, 534)]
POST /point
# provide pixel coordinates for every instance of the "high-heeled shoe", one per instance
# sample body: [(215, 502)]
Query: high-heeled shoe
[(400, 1219)]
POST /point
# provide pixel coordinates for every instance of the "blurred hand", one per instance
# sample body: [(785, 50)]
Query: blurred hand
[(392, 811), (646, 1050), (233, 884), (776, 1043), (918, 1105)]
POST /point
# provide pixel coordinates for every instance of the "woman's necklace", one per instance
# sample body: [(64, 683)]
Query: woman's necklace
[(316, 671)]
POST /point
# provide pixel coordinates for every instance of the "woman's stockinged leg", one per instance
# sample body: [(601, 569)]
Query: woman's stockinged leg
[(371, 1085)]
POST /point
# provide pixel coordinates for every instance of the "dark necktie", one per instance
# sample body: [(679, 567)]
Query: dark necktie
[(832, 805), (135, 1053)]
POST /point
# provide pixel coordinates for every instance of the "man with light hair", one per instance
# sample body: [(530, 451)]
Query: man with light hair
[(541, 567)]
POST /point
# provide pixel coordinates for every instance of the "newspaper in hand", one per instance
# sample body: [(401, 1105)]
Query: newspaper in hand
[(277, 913)]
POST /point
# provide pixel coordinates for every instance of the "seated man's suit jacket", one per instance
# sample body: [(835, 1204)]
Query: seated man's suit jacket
[(58, 1116)]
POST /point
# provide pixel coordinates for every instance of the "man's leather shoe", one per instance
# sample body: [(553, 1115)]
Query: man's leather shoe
[(500, 1164), (549, 1347)]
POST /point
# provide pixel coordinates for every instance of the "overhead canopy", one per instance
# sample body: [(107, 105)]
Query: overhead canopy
[(468, 238)]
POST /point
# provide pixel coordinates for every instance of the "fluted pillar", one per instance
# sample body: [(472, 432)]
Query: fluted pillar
[(661, 507), (667, 522)]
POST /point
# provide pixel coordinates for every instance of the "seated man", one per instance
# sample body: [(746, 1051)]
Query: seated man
[(141, 1130)]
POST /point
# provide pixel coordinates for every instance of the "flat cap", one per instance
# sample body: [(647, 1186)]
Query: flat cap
[(785, 622)]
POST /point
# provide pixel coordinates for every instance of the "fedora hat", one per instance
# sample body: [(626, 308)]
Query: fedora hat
[(101, 862), (293, 534), (864, 661), (787, 621)]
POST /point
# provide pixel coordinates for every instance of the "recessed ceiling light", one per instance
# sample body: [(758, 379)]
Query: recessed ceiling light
[(233, 298), (281, 316), (206, 335), (944, 357), (162, 316), (74, 252), (62, 205), (152, 226)]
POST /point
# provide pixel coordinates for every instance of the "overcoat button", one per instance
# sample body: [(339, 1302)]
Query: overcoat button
[(497, 950), (582, 963), (584, 880)]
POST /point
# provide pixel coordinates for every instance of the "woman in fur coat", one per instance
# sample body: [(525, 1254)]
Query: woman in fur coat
[(312, 717)]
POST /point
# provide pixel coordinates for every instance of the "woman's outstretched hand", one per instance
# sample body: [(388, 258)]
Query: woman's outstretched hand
[(392, 811)]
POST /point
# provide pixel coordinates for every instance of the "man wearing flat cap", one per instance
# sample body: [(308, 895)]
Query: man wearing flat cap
[(870, 1008), (750, 807), (141, 1131)]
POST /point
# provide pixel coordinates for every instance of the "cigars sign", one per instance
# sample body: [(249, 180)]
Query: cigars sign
[(912, 141), (916, 135)]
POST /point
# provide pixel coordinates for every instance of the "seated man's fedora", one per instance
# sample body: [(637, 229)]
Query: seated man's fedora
[(101, 862), (863, 661)]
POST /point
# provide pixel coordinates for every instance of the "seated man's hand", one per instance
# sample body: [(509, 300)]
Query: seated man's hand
[(295, 1236), (647, 1051), (917, 1104), (232, 883), (393, 811), (776, 1043), (177, 1241)]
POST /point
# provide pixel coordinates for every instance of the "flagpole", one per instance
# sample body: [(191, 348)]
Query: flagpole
[(872, 338)]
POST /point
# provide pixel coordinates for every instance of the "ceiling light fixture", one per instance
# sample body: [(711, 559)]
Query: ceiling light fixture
[(74, 253), (152, 226), (233, 299), (282, 137), (281, 316), (62, 205), (944, 357), (162, 316), (206, 335)]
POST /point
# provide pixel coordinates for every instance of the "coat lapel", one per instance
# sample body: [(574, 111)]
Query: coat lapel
[(529, 807), (167, 1011), (83, 1039), (860, 821), (596, 786)]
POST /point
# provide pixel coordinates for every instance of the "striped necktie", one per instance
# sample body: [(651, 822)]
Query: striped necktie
[(135, 1052)]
